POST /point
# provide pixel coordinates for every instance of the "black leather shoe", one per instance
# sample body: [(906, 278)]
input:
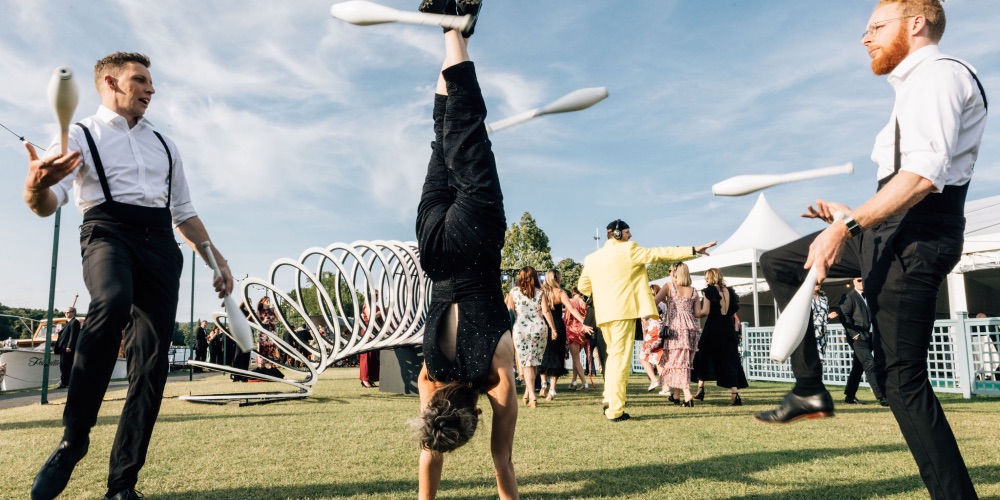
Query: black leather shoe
[(688, 404), (798, 407), (701, 394), (736, 400), (620, 418), (469, 7), (852, 400), (126, 494), (883, 401), (673, 400), (438, 7), (55, 472)]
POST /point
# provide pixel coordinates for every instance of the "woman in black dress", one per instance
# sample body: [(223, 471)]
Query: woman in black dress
[(460, 232), (718, 356), (554, 358)]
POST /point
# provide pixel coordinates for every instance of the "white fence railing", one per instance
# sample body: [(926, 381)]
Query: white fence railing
[(964, 357)]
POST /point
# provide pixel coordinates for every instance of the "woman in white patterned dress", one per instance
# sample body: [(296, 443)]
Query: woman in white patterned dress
[(532, 310)]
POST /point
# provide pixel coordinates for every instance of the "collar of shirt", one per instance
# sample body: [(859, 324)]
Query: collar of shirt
[(135, 163), (112, 119), (906, 66)]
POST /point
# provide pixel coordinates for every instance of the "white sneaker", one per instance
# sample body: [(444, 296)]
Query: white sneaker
[(652, 386)]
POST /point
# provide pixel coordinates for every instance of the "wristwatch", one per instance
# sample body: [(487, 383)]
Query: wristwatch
[(852, 225)]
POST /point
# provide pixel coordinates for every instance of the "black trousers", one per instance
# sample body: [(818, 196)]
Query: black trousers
[(460, 219), (65, 366), (903, 262), (133, 277), (863, 362), (597, 344)]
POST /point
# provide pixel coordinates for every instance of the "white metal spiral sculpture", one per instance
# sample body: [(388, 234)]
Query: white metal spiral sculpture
[(383, 275)]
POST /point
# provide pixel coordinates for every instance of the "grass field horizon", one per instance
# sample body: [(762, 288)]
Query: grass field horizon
[(350, 442)]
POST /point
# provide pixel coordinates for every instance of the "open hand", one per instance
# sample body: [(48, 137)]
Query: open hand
[(703, 249), (43, 174), (826, 249), (826, 210)]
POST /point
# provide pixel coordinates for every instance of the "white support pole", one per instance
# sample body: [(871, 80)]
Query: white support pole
[(957, 300), (963, 354), (756, 298)]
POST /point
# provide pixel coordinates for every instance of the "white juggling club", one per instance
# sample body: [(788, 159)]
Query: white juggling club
[(573, 101), (239, 327), (364, 13), (790, 328), (746, 184), (63, 98)]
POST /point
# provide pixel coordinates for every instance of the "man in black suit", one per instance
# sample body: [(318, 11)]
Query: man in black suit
[(856, 318), (66, 346), (200, 343)]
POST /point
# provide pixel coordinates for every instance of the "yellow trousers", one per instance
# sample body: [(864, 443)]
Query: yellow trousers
[(619, 335)]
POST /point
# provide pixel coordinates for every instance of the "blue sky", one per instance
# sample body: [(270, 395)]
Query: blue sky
[(298, 130)]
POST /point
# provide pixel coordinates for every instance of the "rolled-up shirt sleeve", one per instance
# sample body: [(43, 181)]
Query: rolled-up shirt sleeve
[(181, 208), (929, 124), (62, 188)]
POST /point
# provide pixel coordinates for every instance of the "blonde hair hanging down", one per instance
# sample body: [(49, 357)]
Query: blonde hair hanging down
[(714, 277), (552, 287), (681, 275)]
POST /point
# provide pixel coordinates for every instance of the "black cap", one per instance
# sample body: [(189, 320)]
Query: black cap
[(617, 224)]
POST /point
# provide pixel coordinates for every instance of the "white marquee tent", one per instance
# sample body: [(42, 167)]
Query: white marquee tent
[(973, 286), (761, 230)]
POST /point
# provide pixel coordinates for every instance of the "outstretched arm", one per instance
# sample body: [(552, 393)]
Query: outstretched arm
[(571, 309), (44, 174), (431, 462), (647, 255), (503, 399)]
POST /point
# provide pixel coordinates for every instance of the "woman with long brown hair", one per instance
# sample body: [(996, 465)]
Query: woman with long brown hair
[(718, 356), (532, 310)]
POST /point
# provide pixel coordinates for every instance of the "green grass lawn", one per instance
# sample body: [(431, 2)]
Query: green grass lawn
[(350, 442)]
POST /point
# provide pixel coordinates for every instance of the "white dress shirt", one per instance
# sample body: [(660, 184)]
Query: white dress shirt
[(941, 120), (135, 164)]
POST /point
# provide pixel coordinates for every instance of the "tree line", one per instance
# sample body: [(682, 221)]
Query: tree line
[(526, 244)]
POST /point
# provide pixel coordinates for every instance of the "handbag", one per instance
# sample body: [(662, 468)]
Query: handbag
[(666, 333)]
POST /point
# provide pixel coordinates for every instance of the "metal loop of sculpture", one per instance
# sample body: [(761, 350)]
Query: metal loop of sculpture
[(385, 276)]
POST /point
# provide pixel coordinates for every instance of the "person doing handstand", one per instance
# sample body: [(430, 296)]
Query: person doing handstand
[(460, 231)]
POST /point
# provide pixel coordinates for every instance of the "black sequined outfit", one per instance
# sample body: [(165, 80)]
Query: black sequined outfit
[(460, 232)]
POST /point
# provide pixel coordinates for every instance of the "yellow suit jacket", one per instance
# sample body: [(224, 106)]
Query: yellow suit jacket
[(615, 276)]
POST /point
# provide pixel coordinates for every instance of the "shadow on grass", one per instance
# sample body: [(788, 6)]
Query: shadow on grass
[(112, 420), (634, 481)]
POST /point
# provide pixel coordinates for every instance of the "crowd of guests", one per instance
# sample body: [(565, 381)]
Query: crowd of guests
[(550, 325)]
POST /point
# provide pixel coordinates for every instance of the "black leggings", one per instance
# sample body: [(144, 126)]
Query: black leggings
[(460, 231), (460, 219)]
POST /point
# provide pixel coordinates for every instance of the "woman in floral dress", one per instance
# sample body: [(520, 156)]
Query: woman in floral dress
[(267, 349), (577, 337), (530, 332), (682, 309), (820, 311), (652, 346)]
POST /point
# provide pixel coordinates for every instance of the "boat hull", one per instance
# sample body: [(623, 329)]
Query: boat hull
[(23, 369)]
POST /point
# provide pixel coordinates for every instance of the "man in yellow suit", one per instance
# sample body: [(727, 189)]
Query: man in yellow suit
[(615, 276)]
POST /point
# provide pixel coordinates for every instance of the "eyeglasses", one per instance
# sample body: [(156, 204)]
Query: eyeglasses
[(873, 28)]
